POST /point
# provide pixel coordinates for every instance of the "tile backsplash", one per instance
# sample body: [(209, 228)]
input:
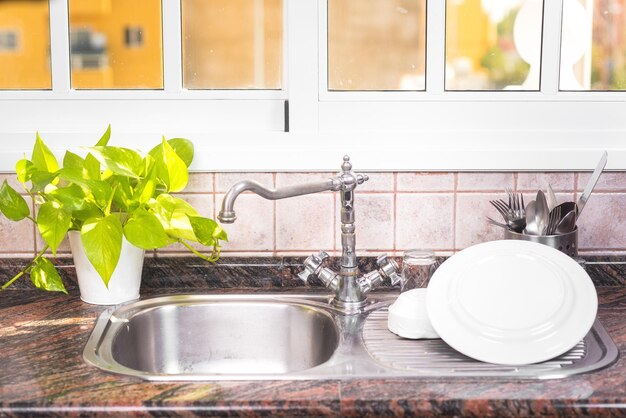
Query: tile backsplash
[(444, 212)]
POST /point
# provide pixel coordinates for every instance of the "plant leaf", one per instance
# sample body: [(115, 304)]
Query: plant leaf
[(121, 161), (172, 213), (71, 160), (104, 140), (146, 188), (91, 167), (71, 197), (45, 276), (144, 230), (171, 169), (12, 204), (43, 158), (220, 234), (206, 230), (98, 189), (53, 222), (123, 196), (40, 179), (102, 239), (183, 148), (24, 169)]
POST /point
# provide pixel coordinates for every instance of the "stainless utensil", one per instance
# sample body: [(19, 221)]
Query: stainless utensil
[(516, 203), (496, 223), (567, 207), (567, 223), (531, 226), (592, 183), (542, 213), (513, 219), (552, 202), (553, 221)]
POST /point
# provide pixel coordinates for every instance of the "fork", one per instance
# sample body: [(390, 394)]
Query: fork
[(510, 216), (516, 203), (553, 220)]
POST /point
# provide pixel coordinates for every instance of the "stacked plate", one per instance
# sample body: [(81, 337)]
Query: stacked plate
[(511, 302)]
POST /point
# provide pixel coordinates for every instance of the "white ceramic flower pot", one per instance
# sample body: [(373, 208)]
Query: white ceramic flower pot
[(124, 283)]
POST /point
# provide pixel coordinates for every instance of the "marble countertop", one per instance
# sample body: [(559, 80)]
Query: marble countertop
[(42, 336)]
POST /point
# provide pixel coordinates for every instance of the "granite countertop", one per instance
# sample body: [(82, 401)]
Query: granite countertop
[(42, 336)]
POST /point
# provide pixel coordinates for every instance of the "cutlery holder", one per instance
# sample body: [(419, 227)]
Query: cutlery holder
[(566, 243)]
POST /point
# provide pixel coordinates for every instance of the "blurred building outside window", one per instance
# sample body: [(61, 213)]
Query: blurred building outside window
[(8, 40), (133, 36)]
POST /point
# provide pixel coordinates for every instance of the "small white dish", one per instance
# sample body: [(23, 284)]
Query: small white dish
[(408, 317), (511, 302)]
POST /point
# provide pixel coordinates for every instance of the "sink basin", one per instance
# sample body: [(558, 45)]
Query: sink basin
[(287, 336), (198, 335)]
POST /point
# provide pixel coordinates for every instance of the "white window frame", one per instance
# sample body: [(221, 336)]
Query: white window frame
[(236, 130)]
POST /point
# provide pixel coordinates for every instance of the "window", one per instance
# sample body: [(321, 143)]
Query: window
[(493, 45), (376, 45), (101, 33), (24, 45), (593, 52), (232, 44), (292, 84)]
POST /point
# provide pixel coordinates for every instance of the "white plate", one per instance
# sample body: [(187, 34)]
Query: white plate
[(511, 302)]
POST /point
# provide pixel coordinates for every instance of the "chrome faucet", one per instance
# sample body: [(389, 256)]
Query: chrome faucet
[(350, 287)]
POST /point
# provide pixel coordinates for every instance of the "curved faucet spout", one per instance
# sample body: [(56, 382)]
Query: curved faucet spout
[(227, 213)]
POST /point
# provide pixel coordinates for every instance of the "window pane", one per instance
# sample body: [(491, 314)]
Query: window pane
[(493, 44), (376, 44), (25, 44), (232, 44), (116, 44), (593, 46)]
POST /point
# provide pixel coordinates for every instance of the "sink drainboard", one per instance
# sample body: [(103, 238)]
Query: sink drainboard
[(436, 358)]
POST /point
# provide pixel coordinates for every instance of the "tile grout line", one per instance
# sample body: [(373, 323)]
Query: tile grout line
[(334, 222), (34, 228), (395, 210), (274, 239), (454, 209)]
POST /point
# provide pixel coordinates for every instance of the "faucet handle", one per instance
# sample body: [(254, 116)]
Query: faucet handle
[(312, 265), (362, 178), (388, 268)]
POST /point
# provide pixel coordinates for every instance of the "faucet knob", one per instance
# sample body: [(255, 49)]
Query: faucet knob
[(388, 268), (362, 178), (312, 265)]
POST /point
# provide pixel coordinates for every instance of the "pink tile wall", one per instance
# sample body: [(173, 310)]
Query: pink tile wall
[(395, 211)]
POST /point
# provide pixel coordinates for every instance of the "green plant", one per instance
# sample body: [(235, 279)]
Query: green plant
[(110, 193)]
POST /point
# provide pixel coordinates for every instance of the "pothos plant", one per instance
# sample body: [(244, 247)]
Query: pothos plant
[(112, 192)]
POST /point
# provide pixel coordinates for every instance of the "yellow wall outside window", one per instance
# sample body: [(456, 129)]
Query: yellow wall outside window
[(127, 67), (28, 66)]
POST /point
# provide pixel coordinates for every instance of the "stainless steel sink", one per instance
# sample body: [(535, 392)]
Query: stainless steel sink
[(235, 337)]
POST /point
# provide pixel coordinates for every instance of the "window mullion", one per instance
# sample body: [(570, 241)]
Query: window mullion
[(172, 46), (303, 64), (435, 46), (60, 46), (551, 47)]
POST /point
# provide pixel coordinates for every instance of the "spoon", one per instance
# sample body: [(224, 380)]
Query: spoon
[(531, 227), (567, 223), (542, 213), (551, 198)]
